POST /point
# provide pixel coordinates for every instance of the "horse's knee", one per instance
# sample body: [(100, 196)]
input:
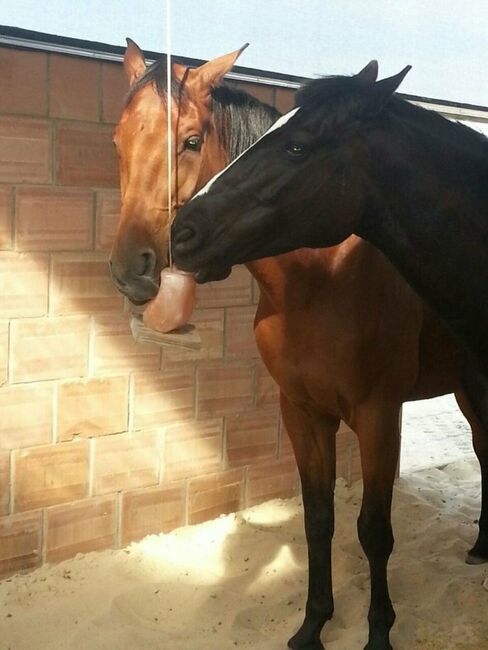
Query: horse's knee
[(375, 533)]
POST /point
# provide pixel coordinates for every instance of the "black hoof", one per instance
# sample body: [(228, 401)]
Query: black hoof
[(306, 638), (378, 645), (314, 645), (473, 559), (479, 553)]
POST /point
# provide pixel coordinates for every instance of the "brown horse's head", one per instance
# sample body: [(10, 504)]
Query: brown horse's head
[(140, 249)]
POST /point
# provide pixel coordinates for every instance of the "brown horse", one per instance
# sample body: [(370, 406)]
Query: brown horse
[(339, 330)]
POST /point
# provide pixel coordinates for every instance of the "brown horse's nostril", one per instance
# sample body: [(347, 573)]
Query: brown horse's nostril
[(146, 263)]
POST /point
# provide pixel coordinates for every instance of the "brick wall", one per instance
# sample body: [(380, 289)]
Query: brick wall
[(103, 440)]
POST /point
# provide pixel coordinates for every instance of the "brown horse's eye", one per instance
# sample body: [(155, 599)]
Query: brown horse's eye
[(194, 143)]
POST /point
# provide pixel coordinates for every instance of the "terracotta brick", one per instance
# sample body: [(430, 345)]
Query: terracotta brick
[(223, 388), (73, 88), (163, 397), (239, 332), (4, 482), (81, 284), (20, 542), (26, 415), (92, 407), (115, 350), (192, 448), (256, 292), (345, 441), (48, 348), (114, 88), (24, 82), (107, 219), (5, 218), (151, 510), (252, 437), (49, 475), (25, 151), (285, 446), (3, 351), (85, 156), (53, 219), (278, 479), (124, 462), (236, 290), (263, 92), (356, 471), (80, 527), (267, 390), (284, 99), (23, 284), (210, 326), (211, 496)]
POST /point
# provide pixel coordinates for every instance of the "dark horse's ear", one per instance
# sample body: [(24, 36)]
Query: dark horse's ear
[(382, 90), (368, 74)]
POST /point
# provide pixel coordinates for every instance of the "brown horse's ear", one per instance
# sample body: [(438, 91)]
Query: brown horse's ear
[(210, 74), (382, 90), (134, 62)]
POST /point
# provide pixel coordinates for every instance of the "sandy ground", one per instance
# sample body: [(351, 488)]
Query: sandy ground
[(240, 581), (434, 433)]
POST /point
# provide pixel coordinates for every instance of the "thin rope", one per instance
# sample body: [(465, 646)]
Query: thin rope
[(168, 104)]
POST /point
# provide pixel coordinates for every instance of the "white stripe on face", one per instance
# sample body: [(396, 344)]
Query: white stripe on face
[(277, 125)]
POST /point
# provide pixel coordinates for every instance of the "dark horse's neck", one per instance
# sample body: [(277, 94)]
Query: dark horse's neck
[(429, 214)]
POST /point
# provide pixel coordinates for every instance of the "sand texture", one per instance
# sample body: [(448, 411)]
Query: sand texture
[(240, 581)]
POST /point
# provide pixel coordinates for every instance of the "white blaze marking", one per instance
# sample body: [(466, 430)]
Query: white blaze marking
[(277, 125)]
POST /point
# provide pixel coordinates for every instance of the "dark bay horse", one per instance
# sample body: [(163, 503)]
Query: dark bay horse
[(339, 330), (361, 160)]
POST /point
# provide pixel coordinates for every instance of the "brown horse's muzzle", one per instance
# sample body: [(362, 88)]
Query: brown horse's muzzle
[(135, 267)]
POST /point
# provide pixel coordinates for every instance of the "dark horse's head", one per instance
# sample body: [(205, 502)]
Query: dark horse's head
[(299, 186), (140, 250)]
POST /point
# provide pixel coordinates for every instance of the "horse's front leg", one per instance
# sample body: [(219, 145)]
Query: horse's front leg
[(479, 553), (313, 439), (379, 438)]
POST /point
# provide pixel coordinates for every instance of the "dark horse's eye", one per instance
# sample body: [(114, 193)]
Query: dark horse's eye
[(295, 149), (194, 143)]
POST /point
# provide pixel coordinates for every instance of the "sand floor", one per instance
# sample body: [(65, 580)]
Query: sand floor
[(240, 581), (434, 433)]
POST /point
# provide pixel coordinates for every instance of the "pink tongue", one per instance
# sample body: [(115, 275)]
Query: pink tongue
[(173, 305)]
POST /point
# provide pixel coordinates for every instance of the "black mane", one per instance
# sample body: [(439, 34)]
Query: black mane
[(349, 94), (240, 118), (315, 92)]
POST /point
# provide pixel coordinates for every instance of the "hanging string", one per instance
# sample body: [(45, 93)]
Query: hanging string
[(169, 134), (171, 148)]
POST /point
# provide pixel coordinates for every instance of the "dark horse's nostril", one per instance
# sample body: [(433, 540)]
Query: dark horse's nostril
[(146, 263)]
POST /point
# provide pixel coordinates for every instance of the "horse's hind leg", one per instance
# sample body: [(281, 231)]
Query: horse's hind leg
[(377, 426), (313, 439), (479, 553), (475, 385)]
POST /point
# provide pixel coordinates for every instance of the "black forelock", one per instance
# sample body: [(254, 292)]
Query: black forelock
[(316, 91)]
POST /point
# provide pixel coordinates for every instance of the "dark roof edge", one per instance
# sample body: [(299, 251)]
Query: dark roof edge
[(33, 40)]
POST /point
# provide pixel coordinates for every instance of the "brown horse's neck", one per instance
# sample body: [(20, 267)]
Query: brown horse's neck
[(292, 280)]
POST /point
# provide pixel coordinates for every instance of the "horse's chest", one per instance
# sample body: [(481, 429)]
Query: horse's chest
[(310, 363)]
